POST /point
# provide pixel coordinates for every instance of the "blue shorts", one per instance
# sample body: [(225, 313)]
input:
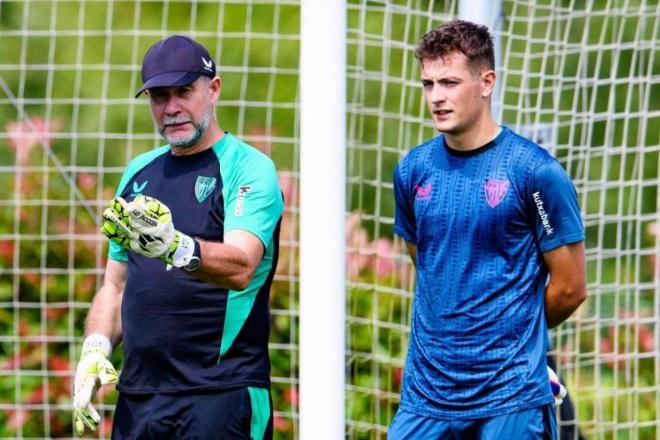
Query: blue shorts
[(531, 424), (241, 413)]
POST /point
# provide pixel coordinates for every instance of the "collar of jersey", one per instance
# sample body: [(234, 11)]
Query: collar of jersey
[(218, 146), (475, 151)]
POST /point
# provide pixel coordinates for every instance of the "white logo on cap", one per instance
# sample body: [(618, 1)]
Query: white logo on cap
[(208, 65)]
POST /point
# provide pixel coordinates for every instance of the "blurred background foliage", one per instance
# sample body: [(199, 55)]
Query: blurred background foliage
[(579, 77)]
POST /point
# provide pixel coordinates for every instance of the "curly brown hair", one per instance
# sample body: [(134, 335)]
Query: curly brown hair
[(471, 39)]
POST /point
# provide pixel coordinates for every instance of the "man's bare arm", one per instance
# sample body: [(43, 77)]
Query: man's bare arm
[(230, 264), (567, 288), (104, 316)]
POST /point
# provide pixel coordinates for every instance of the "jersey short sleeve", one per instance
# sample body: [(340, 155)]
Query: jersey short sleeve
[(556, 213), (253, 199), (404, 217)]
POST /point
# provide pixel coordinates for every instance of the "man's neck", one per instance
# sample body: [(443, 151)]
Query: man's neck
[(213, 134), (478, 135)]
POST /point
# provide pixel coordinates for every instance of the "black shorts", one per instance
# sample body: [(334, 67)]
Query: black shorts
[(241, 413)]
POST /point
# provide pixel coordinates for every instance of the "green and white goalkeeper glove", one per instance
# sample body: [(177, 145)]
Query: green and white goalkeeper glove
[(145, 226), (94, 369), (116, 225)]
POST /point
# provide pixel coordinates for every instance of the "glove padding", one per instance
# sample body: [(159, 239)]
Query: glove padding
[(151, 220), (116, 225), (94, 369), (145, 226), (558, 390)]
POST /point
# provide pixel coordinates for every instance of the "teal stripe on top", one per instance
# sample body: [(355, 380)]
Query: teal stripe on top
[(115, 251), (253, 203), (137, 164)]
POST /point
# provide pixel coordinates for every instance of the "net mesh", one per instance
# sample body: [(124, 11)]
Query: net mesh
[(580, 77), (68, 73)]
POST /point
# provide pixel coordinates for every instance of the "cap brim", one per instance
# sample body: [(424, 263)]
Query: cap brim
[(169, 79)]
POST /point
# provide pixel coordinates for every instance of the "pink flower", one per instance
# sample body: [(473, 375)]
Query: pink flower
[(289, 186), (86, 181), (17, 419), (24, 135), (384, 258), (357, 242), (7, 251), (646, 338), (291, 395), (607, 351), (397, 374), (280, 424)]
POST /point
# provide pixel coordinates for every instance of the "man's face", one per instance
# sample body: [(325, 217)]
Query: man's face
[(456, 94), (182, 113)]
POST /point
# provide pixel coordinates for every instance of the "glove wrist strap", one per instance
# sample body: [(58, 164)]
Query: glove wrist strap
[(184, 251), (97, 342)]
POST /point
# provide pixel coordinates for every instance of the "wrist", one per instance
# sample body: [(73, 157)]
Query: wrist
[(187, 253), (96, 342), (195, 259)]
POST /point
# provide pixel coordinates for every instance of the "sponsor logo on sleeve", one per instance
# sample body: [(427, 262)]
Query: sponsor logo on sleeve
[(543, 213), (242, 194), (495, 190)]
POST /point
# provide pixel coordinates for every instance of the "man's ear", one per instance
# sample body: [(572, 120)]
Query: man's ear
[(488, 78), (215, 86)]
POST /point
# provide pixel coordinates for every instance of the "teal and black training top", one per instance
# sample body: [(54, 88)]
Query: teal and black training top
[(180, 333)]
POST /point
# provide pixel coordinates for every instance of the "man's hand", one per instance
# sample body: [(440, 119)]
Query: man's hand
[(94, 370), (116, 225), (558, 390), (152, 221), (145, 226)]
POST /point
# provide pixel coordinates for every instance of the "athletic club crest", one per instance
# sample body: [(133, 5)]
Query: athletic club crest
[(204, 187), (495, 191)]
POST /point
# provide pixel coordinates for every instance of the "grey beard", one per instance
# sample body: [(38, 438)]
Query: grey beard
[(192, 138)]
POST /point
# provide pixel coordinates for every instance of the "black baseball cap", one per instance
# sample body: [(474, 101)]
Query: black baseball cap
[(175, 61)]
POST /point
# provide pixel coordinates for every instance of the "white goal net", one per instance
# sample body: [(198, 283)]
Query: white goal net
[(580, 77)]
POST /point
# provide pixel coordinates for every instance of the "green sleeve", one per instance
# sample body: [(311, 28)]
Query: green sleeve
[(253, 199)]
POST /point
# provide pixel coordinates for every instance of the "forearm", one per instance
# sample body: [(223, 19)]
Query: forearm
[(224, 265), (567, 288), (561, 302), (105, 315)]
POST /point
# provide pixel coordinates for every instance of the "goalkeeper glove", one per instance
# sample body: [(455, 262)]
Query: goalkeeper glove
[(145, 226), (116, 225), (94, 369), (157, 238), (558, 390)]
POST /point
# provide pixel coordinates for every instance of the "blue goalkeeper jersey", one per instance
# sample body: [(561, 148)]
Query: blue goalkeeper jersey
[(481, 221), (181, 333)]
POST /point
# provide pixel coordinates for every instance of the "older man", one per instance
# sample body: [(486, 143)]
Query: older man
[(194, 241)]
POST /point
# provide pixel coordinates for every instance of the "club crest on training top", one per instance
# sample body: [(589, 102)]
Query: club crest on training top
[(204, 187), (495, 189)]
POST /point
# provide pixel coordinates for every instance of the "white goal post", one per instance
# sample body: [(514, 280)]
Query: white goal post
[(330, 89)]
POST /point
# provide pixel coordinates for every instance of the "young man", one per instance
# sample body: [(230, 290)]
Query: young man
[(486, 216), (194, 239)]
